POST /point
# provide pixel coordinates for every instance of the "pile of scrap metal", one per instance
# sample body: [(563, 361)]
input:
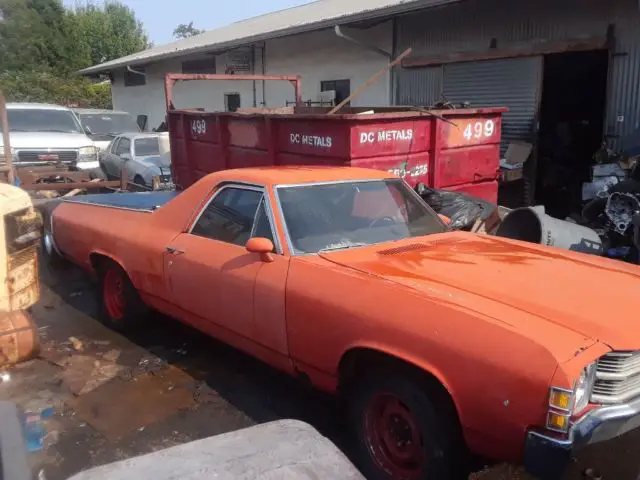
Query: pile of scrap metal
[(609, 223), (615, 213)]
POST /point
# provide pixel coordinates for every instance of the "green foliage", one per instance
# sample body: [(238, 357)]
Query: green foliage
[(43, 45), (186, 30), (48, 87), (106, 32)]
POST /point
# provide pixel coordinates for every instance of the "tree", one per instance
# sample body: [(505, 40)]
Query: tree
[(186, 31), (43, 45), (33, 36), (106, 33)]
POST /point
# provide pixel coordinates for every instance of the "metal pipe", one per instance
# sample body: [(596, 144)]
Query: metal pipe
[(264, 72), (137, 72), (372, 48), (6, 141), (253, 70)]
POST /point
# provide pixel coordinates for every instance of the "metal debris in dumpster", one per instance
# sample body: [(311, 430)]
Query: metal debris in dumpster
[(455, 149)]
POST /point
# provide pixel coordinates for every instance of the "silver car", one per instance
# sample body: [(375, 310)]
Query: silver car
[(141, 155), (103, 125)]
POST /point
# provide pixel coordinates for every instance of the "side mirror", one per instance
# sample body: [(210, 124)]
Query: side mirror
[(444, 219), (261, 246), (87, 130), (125, 156)]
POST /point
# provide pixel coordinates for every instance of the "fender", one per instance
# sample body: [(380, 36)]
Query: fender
[(409, 358)]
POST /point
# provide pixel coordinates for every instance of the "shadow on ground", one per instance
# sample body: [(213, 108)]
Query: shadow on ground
[(227, 390)]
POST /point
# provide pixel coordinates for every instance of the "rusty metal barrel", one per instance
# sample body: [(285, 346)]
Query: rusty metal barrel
[(18, 337)]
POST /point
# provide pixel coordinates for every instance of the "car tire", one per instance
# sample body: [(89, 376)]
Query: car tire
[(138, 180), (49, 251), (420, 419), (121, 307), (97, 173)]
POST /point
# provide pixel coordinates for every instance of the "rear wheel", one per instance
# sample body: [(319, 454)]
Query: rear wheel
[(138, 180), (403, 431), (120, 305), (48, 248)]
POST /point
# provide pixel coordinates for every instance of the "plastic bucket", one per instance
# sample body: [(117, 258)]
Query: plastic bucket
[(535, 226)]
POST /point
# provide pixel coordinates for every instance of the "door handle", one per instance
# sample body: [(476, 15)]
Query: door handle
[(173, 250)]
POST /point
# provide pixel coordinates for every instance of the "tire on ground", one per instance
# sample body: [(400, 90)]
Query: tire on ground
[(98, 173), (138, 180), (402, 429), (121, 307)]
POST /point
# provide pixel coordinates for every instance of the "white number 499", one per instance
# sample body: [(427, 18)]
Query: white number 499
[(479, 130)]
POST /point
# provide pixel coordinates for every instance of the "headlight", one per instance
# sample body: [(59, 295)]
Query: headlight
[(583, 389), (563, 403), (88, 151)]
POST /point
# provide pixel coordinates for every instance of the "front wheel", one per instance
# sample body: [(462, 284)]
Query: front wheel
[(138, 180), (120, 305), (403, 432)]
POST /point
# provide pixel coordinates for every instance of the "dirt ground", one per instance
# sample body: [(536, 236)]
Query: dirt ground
[(114, 397)]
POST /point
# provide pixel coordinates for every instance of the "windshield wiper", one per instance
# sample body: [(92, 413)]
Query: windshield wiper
[(342, 247)]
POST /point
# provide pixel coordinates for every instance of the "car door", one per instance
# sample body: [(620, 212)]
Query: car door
[(107, 159), (219, 283), (122, 156)]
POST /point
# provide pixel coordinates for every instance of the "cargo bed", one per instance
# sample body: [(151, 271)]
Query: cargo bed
[(136, 201)]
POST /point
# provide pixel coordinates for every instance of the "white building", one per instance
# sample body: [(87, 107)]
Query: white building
[(558, 65)]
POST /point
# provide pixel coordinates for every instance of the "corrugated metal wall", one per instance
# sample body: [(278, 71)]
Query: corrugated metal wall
[(419, 86), (494, 83), (474, 24)]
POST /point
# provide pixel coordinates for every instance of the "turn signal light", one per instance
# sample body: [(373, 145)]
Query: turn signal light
[(561, 399), (558, 422)]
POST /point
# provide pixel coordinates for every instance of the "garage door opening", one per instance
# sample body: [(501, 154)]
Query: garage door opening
[(572, 113)]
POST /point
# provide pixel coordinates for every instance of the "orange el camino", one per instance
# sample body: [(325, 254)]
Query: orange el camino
[(441, 343)]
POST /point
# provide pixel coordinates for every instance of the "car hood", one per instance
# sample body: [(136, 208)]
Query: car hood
[(155, 161), (592, 296), (45, 140)]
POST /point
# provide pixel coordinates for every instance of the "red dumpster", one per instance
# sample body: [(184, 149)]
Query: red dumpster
[(451, 149)]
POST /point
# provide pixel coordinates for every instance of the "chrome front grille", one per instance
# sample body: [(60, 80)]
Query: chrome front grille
[(617, 378), (46, 156)]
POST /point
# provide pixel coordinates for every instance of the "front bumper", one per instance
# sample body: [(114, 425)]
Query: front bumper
[(547, 457)]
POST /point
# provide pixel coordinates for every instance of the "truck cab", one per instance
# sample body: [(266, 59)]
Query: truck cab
[(44, 135), (102, 126)]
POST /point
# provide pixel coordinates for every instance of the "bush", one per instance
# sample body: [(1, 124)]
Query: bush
[(48, 87)]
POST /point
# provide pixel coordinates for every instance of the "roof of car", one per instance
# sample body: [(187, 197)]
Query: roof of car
[(293, 175), (37, 106), (99, 111)]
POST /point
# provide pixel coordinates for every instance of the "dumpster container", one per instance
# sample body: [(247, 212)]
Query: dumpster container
[(456, 149)]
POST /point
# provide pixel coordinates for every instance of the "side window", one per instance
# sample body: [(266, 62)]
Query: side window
[(114, 146), (124, 146), (229, 216), (262, 227)]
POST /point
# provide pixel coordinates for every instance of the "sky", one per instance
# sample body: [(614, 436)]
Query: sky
[(160, 17)]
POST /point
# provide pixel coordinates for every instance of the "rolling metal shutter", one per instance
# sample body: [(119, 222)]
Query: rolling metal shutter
[(514, 83), (419, 86)]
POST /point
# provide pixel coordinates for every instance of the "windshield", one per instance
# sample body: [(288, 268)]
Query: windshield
[(34, 120), (344, 215), (108, 123), (143, 147)]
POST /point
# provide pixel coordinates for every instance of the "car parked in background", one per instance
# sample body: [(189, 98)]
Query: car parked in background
[(43, 135), (141, 155), (103, 125)]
